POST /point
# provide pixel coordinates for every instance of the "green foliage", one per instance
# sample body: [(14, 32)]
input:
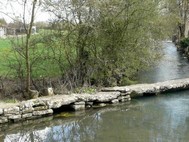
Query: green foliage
[(4, 43), (102, 43), (184, 43)]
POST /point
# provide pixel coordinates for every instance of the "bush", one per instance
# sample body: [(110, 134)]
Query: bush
[(184, 43)]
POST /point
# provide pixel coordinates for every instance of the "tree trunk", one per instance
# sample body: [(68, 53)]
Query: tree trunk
[(29, 32)]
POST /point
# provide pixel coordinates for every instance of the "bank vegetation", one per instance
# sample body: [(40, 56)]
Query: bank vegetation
[(89, 43)]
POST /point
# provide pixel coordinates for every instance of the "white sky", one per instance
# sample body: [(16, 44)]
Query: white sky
[(14, 8)]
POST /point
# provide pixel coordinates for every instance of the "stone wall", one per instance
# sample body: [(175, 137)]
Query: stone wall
[(45, 106), (152, 89)]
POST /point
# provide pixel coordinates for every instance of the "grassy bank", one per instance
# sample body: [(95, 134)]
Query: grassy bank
[(5, 47), (12, 62)]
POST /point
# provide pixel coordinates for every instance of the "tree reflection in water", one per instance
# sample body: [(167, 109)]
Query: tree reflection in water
[(160, 118)]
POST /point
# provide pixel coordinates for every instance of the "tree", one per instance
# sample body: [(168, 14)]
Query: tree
[(21, 45), (179, 9), (27, 54), (112, 39)]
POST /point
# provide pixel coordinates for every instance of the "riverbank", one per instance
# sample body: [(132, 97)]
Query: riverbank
[(45, 106)]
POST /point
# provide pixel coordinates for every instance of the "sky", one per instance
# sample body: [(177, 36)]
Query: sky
[(14, 8)]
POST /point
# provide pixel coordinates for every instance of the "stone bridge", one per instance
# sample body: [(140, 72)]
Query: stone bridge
[(45, 106), (152, 89)]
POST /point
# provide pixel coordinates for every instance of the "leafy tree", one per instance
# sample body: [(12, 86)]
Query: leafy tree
[(112, 40), (178, 10)]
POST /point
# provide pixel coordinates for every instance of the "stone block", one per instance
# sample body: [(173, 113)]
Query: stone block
[(54, 104), (38, 102), (27, 110), (15, 117), (38, 108), (3, 120), (27, 115), (1, 111), (89, 103), (103, 97), (128, 96), (124, 98), (11, 111), (115, 101), (42, 112), (78, 107)]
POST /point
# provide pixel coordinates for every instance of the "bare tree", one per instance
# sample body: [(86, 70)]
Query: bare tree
[(27, 53)]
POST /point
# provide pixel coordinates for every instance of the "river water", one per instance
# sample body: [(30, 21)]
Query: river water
[(163, 118)]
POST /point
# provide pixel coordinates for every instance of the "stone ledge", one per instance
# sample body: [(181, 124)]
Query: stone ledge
[(154, 88), (43, 106)]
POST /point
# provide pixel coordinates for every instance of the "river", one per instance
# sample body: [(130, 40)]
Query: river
[(163, 118)]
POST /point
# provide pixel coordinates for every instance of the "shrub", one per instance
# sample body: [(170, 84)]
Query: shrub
[(184, 43)]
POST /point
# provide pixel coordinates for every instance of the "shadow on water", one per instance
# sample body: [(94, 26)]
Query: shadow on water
[(162, 118)]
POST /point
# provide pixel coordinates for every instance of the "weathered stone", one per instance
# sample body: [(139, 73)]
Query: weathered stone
[(54, 104), (107, 96), (78, 107), (85, 97), (14, 117), (43, 112), (89, 103), (60, 100), (10, 111), (115, 101), (38, 102), (124, 94), (27, 110), (1, 111), (124, 98), (154, 88), (27, 115), (68, 100), (121, 98), (127, 97), (122, 89), (40, 108), (3, 119), (26, 106)]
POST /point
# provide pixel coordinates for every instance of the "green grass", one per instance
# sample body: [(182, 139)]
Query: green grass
[(5, 47), (41, 68), (4, 43)]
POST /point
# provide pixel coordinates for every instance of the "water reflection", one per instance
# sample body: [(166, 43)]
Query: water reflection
[(154, 119)]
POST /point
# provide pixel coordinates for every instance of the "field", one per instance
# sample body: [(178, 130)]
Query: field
[(42, 68), (5, 47)]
